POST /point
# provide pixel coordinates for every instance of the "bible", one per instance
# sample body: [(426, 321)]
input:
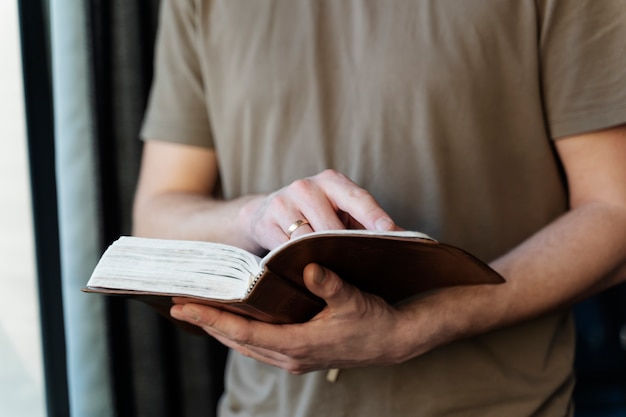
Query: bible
[(393, 265)]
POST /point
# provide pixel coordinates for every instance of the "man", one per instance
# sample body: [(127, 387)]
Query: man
[(497, 126)]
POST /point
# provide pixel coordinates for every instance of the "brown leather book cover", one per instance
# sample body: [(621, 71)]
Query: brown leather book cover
[(394, 266)]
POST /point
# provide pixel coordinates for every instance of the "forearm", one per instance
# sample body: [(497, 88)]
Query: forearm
[(179, 215), (174, 197), (579, 254), (174, 200)]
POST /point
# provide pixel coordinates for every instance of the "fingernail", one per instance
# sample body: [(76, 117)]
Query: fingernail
[(320, 275), (383, 224), (176, 311)]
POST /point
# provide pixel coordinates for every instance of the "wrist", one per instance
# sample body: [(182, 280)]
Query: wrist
[(246, 223), (448, 315)]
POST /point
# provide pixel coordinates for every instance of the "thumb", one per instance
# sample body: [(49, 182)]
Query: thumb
[(327, 285)]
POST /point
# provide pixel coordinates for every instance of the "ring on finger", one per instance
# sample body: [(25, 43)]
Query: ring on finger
[(295, 225)]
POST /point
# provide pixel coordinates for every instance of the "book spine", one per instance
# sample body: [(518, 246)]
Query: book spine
[(283, 300)]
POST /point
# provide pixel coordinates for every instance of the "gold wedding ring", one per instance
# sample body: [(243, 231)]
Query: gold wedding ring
[(294, 226)]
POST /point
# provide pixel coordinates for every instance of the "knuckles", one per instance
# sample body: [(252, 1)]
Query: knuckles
[(280, 202), (303, 186), (296, 369), (358, 193), (331, 174), (241, 335), (333, 286)]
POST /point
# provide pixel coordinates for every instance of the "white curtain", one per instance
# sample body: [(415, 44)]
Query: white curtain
[(87, 359)]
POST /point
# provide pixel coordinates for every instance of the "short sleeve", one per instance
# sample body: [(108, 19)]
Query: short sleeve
[(583, 64), (177, 109)]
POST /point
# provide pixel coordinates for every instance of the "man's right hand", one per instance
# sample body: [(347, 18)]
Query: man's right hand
[(327, 201)]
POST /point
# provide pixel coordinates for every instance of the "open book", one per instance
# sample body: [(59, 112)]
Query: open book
[(392, 265)]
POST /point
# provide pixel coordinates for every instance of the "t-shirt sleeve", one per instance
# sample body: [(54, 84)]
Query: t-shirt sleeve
[(177, 109), (583, 64)]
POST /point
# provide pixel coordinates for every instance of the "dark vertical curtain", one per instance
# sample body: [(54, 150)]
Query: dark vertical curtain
[(157, 368), (36, 73)]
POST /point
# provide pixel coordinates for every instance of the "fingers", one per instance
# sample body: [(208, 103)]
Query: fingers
[(305, 200), (219, 323), (247, 337), (298, 228), (345, 334), (327, 285), (357, 202), (335, 198), (327, 201)]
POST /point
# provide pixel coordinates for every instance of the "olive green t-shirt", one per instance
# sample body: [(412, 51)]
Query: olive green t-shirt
[(446, 111)]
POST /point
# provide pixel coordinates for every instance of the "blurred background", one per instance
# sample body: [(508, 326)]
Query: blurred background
[(21, 368)]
